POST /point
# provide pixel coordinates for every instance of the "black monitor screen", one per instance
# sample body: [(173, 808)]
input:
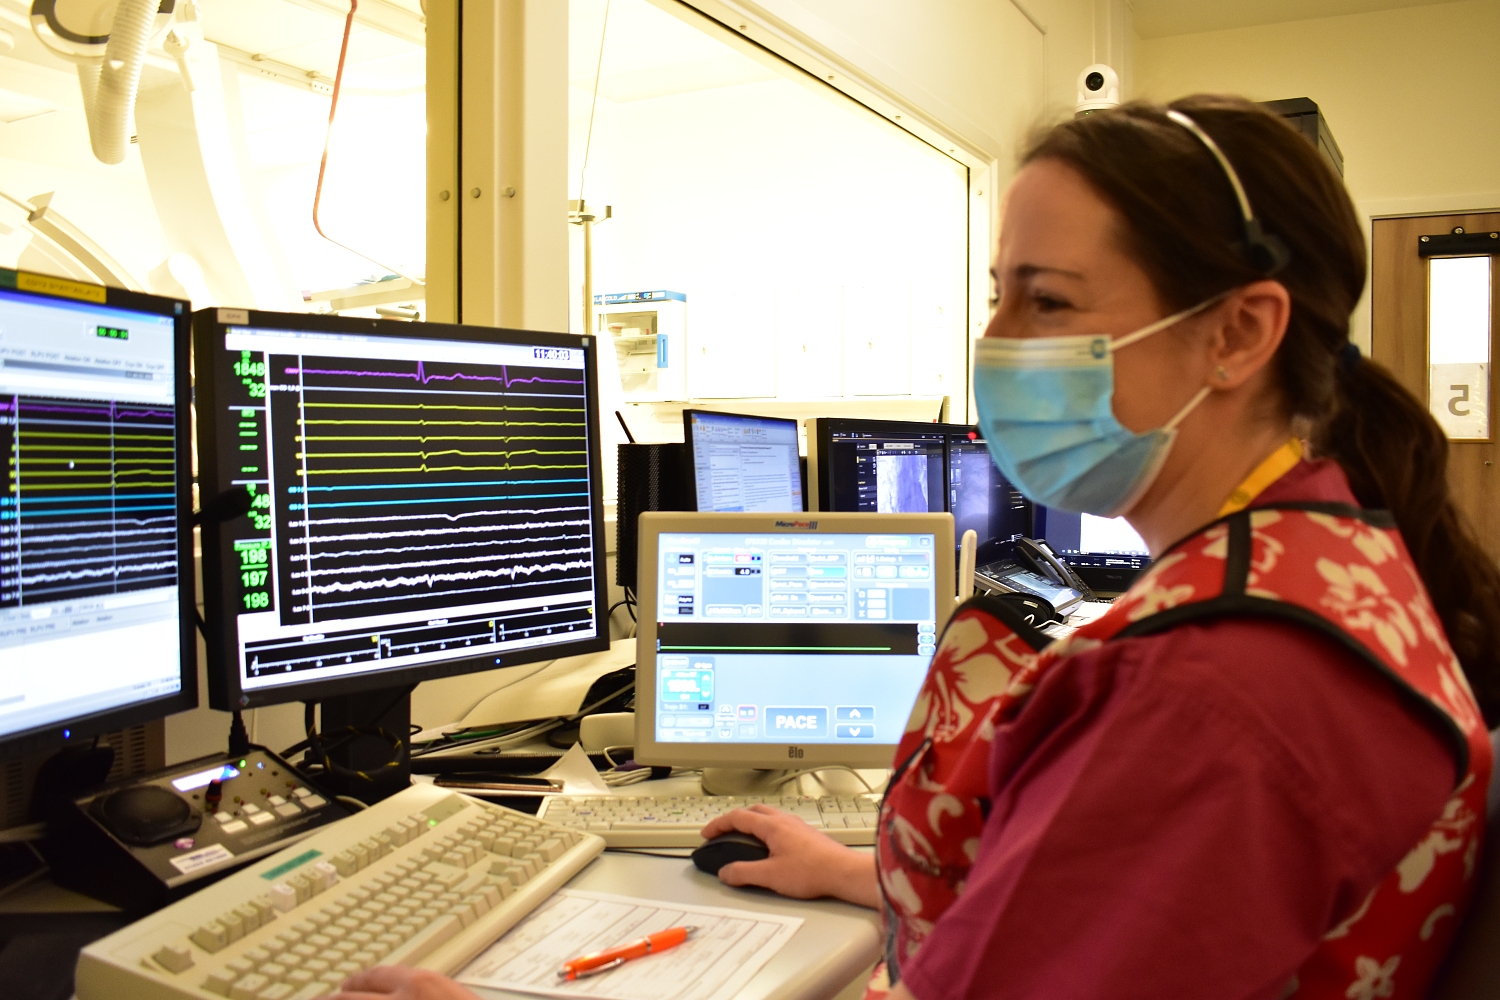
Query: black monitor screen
[(979, 495), (95, 577), (426, 501), (1090, 541), (886, 467), (743, 463)]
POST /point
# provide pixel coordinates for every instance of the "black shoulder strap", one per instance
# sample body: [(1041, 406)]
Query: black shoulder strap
[(1234, 602), (1008, 614)]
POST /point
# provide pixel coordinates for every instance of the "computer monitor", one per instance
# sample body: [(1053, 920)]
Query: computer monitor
[(1105, 551), (784, 642), (876, 466), (979, 496), (96, 580), (427, 502), (742, 463)]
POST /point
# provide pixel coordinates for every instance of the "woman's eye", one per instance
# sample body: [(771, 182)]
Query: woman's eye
[(1047, 303)]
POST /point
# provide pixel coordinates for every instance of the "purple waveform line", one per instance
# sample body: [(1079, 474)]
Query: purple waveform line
[(114, 411), (421, 376)]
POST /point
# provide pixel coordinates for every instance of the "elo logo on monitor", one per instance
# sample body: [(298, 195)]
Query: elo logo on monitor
[(796, 721)]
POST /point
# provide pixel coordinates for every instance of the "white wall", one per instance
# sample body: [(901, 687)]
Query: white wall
[(1408, 94)]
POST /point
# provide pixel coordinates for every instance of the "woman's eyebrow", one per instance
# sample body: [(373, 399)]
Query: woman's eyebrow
[(1024, 271)]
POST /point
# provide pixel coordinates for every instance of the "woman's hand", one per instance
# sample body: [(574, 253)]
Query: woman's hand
[(400, 982), (804, 863)]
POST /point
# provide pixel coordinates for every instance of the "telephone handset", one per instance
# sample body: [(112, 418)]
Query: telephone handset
[(1037, 555)]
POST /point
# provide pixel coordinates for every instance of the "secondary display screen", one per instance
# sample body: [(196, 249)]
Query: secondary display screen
[(744, 463), (415, 501), (804, 638), (979, 495), (89, 547), (1089, 540), (887, 472)]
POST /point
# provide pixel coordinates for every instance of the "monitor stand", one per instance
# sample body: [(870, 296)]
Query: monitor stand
[(743, 781), (387, 709)]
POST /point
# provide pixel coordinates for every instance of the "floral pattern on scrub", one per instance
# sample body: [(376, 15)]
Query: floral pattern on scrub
[(1330, 567)]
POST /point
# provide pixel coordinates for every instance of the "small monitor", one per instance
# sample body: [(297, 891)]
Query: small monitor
[(1106, 551), (774, 642), (742, 463), (96, 579), (979, 496), (877, 466), (427, 502)]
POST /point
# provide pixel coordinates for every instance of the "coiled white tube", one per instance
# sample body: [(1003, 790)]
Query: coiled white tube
[(109, 88)]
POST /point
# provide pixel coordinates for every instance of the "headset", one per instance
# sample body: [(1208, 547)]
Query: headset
[(1265, 251)]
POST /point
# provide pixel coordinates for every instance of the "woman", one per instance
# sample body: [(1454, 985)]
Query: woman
[(1261, 774)]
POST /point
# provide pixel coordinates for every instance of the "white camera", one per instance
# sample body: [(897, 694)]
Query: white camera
[(1098, 88)]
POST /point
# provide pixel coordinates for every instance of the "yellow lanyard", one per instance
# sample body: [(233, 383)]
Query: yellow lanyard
[(1278, 464)]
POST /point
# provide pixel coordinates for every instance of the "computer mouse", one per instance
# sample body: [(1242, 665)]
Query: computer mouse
[(728, 848)]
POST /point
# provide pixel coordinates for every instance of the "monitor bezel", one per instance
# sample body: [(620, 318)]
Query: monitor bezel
[(84, 727), (690, 464), (765, 755), (225, 691), (820, 451)]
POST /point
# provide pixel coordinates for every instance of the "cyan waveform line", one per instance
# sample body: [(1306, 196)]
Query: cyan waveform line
[(416, 486), (421, 376), (427, 563), (114, 412), (398, 549), (428, 579), (452, 518), (93, 510), (394, 503)]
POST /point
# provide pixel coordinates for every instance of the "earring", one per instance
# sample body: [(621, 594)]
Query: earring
[(1219, 371)]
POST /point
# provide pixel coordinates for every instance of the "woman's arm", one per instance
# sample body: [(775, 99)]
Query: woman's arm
[(804, 863)]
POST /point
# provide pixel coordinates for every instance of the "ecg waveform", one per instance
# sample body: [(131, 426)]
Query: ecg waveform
[(87, 505), (426, 488)]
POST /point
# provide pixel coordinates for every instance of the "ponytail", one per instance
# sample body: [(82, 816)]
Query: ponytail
[(1396, 457), (1183, 228)]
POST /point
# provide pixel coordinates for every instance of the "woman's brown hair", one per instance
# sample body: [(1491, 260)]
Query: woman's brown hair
[(1184, 228)]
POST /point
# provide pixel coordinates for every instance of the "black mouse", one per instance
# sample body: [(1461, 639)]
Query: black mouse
[(728, 848)]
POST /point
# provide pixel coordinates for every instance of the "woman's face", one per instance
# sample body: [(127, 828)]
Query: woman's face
[(1062, 270)]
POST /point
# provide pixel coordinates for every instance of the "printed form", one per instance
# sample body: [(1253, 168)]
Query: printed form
[(729, 947)]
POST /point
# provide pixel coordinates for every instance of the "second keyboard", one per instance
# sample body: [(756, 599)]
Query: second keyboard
[(645, 821)]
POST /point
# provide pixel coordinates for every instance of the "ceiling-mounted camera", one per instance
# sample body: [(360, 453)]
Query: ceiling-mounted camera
[(1098, 88)]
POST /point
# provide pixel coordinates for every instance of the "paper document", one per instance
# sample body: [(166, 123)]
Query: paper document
[(729, 947)]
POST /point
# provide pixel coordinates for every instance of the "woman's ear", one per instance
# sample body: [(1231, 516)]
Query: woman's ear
[(1252, 323)]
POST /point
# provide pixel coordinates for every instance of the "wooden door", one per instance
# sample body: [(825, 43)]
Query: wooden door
[(1400, 341)]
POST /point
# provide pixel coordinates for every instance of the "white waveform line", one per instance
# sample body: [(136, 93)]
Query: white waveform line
[(108, 557), (94, 574), (451, 518), (428, 579), (33, 539), (300, 557), (427, 563), (371, 536)]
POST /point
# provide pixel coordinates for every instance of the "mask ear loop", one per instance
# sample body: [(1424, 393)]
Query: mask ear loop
[(1162, 324)]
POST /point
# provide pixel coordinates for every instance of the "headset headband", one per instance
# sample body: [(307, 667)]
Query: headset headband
[(1265, 251)]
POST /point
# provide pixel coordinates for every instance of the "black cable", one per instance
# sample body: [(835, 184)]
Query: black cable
[(321, 754), (647, 854)]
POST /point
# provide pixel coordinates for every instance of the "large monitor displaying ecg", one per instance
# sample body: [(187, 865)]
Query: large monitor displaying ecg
[(426, 501), (95, 619), (775, 639), (743, 463)]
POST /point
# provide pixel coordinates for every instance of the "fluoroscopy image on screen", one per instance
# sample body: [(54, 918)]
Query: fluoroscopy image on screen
[(901, 483), (89, 548), (418, 500)]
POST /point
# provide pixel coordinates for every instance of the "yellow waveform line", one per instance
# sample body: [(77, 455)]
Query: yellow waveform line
[(52, 473), (321, 455), (93, 437), (104, 448), (424, 467), (32, 487)]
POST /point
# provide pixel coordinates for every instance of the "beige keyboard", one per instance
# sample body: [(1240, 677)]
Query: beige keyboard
[(644, 821), (425, 878)]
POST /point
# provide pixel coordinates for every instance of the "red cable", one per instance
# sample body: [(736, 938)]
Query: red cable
[(333, 109)]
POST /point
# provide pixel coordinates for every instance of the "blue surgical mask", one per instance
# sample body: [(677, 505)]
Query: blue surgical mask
[(1044, 410)]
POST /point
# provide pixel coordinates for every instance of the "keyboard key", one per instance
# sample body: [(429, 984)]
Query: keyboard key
[(288, 810), (277, 991), (426, 941), (174, 958), (218, 982), (248, 987), (283, 897), (211, 937)]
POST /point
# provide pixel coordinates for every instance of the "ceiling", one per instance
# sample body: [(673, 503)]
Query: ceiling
[(1158, 18)]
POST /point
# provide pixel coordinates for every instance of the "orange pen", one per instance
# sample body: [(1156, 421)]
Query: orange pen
[(613, 958)]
